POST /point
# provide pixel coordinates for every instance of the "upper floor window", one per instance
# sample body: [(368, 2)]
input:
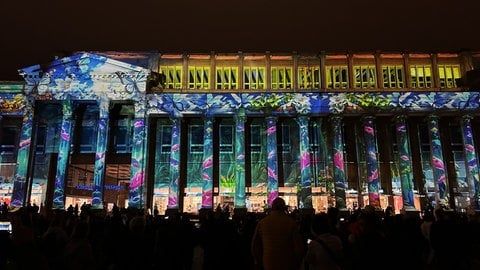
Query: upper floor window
[(393, 76), (448, 74), (199, 77), (195, 135), (85, 129), (164, 138), (365, 77), (226, 138), (308, 77), (281, 77), (47, 138), (285, 138), (173, 76), (254, 77), (88, 135), (122, 134), (337, 77), (9, 136), (421, 76), (227, 77), (256, 138)]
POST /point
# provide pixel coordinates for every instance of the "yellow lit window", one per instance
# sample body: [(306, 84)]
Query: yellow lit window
[(421, 76), (337, 77), (226, 77), (254, 77), (309, 77), (393, 76), (448, 74), (281, 77), (173, 76), (365, 77), (199, 77)]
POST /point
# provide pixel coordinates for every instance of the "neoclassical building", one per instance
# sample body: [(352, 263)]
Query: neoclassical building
[(186, 131)]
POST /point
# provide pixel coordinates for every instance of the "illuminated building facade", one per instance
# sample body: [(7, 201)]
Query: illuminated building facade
[(193, 131)]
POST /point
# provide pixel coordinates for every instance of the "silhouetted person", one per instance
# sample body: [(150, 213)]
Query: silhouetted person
[(78, 252), (367, 237), (277, 243), (448, 237), (325, 251)]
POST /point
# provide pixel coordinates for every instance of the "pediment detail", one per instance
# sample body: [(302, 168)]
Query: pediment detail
[(84, 76)]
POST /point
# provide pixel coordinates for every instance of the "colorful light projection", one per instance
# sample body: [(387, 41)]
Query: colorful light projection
[(405, 164), (93, 77)]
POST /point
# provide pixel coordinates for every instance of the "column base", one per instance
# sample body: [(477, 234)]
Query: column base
[(172, 212), (306, 211), (239, 213), (412, 213), (204, 212), (343, 213)]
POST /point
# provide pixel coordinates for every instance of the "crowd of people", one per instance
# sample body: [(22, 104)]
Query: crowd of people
[(276, 239)]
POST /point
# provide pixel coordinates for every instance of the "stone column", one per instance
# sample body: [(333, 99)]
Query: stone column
[(63, 155), (372, 161), (240, 160), (207, 164), (102, 141), (471, 162), (405, 163), (23, 159), (305, 170), (438, 165), (338, 163), (1, 118), (173, 192), (136, 197), (272, 166)]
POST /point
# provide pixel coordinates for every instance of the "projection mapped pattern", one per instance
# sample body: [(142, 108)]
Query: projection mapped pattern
[(92, 77), (63, 150), (98, 177), (19, 182), (305, 172), (240, 161), (438, 164), (472, 161), (207, 164), (272, 169), (338, 163), (372, 163), (174, 166), (137, 180), (405, 164)]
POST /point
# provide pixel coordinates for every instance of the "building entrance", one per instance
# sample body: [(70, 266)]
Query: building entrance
[(80, 183)]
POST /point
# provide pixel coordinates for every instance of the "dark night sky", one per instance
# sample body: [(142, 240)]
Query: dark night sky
[(33, 32)]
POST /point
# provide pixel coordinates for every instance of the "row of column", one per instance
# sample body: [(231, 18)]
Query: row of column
[(25, 150), (339, 175), (138, 160)]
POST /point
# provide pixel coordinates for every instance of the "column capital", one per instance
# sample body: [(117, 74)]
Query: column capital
[(104, 106), (67, 109), (368, 117), (303, 116), (206, 118), (175, 120), (401, 117), (271, 117), (140, 108), (467, 117), (336, 118)]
